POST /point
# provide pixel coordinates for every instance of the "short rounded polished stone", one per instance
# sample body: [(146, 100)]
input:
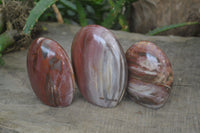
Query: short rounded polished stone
[(50, 72), (150, 74), (100, 66)]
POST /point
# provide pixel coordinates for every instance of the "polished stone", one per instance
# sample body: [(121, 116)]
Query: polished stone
[(100, 66), (150, 74), (50, 72)]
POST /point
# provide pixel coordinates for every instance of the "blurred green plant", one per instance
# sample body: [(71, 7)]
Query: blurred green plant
[(108, 13), (35, 13), (112, 14), (169, 27)]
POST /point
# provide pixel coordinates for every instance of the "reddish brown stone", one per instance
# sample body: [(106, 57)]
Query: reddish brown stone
[(100, 66), (150, 74), (50, 72)]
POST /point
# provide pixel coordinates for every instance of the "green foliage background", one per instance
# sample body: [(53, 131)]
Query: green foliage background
[(108, 13), (112, 14)]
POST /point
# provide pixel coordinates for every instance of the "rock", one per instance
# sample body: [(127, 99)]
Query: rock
[(100, 66), (150, 74), (50, 73)]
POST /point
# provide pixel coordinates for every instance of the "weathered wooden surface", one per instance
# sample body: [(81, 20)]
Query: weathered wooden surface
[(21, 111)]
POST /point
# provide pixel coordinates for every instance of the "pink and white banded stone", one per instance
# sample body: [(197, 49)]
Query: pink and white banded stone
[(150, 74), (100, 66)]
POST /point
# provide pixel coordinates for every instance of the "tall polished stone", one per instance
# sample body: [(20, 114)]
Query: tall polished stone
[(100, 66)]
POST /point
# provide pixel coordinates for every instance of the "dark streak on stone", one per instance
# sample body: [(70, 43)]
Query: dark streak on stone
[(113, 100), (54, 93), (44, 54), (55, 63), (44, 50), (167, 78), (48, 89), (141, 53), (34, 61), (105, 94), (101, 98), (46, 86), (106, 99), (53, 60)]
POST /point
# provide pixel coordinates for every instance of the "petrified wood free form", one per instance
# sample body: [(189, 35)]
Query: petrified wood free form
[(100, 66), (50, 72), (150, 74), (101, 70)]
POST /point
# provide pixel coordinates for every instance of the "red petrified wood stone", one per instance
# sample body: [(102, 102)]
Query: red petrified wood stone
[(150, 74), (100, 66), (50, 72)]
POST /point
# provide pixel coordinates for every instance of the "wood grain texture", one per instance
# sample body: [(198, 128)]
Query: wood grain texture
[(21, 111), (150, 74), (100, 66), (50, 72)]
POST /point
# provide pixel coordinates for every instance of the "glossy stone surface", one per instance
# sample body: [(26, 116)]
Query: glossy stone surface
[(100, 66), (50, 72), (150, 74)]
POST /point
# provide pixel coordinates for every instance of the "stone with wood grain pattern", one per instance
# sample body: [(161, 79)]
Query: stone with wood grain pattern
[(50, 72), (150, 74), (100, 66)]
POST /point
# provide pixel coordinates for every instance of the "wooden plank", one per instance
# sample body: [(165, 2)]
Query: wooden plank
[(21, 111)]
